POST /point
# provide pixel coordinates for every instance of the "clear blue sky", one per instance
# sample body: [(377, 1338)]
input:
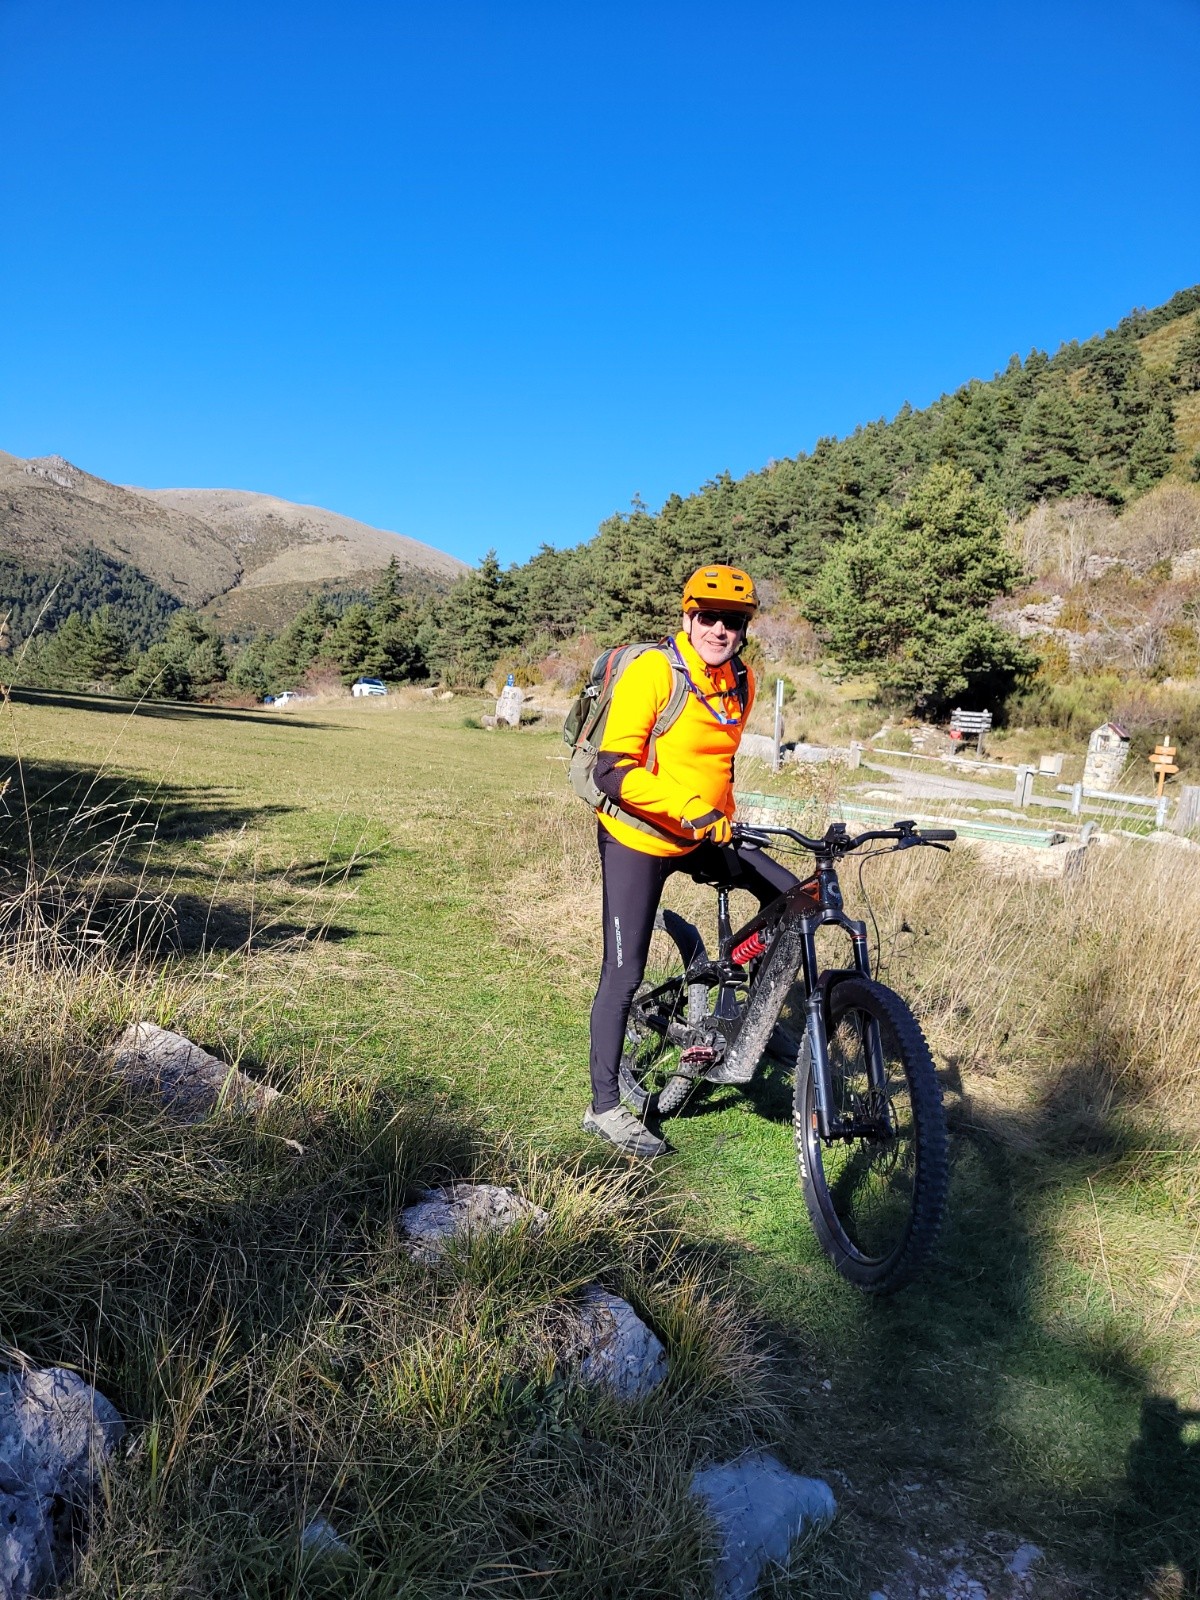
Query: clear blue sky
[(482, 272)]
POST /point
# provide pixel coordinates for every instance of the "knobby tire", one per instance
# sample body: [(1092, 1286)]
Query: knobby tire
[(875, 1203)]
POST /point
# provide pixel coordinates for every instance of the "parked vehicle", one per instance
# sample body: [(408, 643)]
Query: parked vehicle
[(366, 686), (288, 697)]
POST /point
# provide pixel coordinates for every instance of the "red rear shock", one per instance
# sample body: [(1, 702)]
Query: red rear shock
[(749, 949)]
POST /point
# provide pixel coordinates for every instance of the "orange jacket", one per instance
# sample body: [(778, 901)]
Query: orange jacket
[(693, 759)]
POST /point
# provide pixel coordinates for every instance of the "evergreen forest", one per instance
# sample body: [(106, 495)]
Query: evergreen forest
[(891, 542)]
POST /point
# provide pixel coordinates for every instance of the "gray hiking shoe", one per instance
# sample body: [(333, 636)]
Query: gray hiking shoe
[(624, 1132)]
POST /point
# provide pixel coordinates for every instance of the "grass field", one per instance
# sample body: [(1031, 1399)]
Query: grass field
[(394, 915)]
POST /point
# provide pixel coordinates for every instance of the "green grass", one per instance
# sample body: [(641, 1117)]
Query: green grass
[(420, 901)]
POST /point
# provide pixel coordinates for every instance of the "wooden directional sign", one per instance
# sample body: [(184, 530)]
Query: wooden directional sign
[(976, 722), (1162, 759)]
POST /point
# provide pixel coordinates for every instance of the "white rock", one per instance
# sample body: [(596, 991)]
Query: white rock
[(56, 1433), (760, 1510), (321, 1539), (460, 1210), (1023, 1560), (190, 1082), (508, 706), (618, 1351), (757, 747)]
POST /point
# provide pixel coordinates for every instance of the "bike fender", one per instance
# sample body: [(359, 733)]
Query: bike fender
[(686, 935), (827, 982)]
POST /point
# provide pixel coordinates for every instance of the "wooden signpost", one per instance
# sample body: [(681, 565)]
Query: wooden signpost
[(976, 722), (1162, 759)]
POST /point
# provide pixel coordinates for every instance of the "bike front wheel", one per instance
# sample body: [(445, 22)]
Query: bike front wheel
[(875, 1198)]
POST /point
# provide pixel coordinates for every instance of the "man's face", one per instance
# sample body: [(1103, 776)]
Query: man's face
[(715, 635)]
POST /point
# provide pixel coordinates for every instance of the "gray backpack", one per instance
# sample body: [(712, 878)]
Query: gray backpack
[(583, 729)]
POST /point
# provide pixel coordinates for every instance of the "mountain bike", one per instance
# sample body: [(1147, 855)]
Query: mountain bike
[(869, 1129)]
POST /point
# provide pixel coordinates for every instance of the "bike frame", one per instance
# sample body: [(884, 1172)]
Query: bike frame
[(793, 922), (790, 924)]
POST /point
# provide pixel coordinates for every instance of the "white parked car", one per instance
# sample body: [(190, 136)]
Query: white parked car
[(288, 697), (365, 686)]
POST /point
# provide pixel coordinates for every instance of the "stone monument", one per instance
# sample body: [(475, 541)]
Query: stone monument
[(1108, 750), (508, 706)]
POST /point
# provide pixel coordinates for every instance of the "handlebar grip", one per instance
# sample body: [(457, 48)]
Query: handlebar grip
[(938, 833)]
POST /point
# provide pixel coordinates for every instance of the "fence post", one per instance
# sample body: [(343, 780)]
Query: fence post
[(1187, 816), (777, 738), (1024, 787), (1076, 799), (1160, 811)]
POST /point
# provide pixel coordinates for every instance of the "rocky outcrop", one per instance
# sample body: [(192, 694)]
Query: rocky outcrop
[(760, 1510), (56, 1436)]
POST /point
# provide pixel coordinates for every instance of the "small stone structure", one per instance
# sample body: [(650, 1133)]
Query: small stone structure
[(760, 1509), (508, 706), (757, 747), (56, 1435), (1108, 750), (190, 1082)]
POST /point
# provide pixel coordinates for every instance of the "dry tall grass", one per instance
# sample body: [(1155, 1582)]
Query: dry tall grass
[(238, 1290)]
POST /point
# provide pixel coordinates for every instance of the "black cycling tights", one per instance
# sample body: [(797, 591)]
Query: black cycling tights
[(633, 884)]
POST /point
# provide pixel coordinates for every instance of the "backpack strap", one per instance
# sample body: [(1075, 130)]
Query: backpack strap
[(741, 681), (667, 718)]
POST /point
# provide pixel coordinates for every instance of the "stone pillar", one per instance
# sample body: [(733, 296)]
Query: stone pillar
[(1187, 815), (1024, 787), (508, 706)]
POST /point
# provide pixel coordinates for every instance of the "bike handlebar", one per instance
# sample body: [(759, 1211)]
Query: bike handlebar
[(837, 842)]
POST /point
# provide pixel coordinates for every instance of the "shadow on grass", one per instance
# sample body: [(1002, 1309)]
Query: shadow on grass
[(993, 1400), (168, 710), (90, 858)]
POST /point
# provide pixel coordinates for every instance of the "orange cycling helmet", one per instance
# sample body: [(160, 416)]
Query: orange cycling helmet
[(720, 589)]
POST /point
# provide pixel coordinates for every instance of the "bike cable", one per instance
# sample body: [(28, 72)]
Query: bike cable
[(877, 967)]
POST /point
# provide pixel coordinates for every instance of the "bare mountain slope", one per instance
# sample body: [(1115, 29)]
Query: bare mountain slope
[(250, 559), (287, 552), (49, 509)]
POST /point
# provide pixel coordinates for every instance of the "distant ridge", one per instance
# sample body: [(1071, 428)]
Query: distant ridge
[(250, 560)]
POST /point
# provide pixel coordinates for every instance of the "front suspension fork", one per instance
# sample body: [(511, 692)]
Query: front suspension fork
[(829, 1124)]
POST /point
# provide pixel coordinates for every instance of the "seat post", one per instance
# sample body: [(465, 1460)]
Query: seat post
[(724, 931)]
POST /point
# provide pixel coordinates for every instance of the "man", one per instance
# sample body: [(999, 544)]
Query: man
[(676, 806)]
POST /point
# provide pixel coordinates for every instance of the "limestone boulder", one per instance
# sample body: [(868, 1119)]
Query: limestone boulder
[(459, 1211), (760, 1510), (613, 1349), (189, 1081), (56, 1436)]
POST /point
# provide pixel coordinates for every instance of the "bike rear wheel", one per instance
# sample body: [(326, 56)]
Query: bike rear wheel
[(649, 1079), (876, 1199)]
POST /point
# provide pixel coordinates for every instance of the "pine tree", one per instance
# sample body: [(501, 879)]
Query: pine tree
[(1186, 370), (907, 596), (1052, 453), (1152, 450), (354, 644), (108, 647)]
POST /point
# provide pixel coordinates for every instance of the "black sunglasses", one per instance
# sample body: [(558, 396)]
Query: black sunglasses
[(733, 620)]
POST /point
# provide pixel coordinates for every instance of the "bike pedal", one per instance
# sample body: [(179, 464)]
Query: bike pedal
[(695, 1058)]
